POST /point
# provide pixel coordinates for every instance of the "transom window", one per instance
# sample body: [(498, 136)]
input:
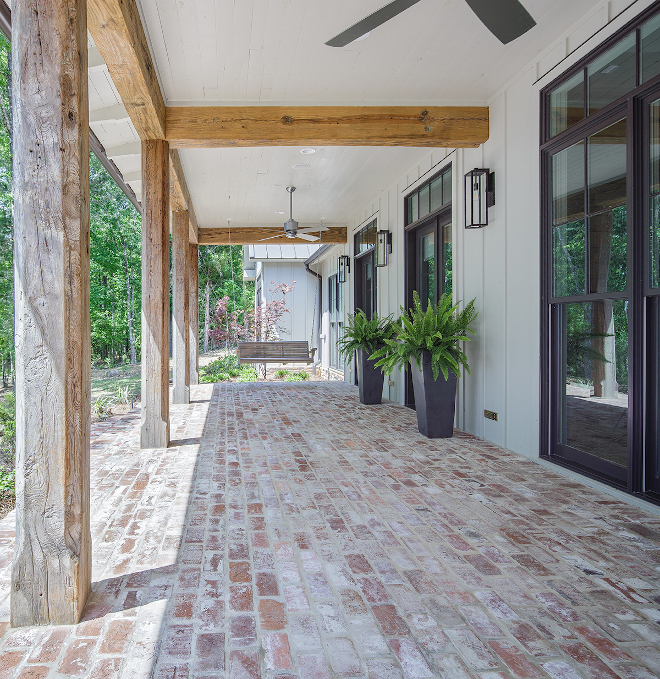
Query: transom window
[(609, 76), (429, 197), (365, 238)]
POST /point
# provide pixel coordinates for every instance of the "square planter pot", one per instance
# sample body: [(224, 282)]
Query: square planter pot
[(370, 379), (435, 400)]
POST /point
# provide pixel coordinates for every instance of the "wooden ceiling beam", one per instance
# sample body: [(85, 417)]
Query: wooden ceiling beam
[(220, 126), (253, 235), (118, 34), (179, 195)]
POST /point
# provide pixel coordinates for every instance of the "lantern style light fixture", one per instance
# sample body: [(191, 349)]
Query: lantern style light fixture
[(383, 247), (479, 196), (343, 268)]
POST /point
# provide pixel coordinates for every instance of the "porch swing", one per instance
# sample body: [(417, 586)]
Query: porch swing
[(279, 351)]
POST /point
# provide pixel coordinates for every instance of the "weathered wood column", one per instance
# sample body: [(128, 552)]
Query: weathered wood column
[(181, 301), (193, 333), (155, 432), (51, 572)]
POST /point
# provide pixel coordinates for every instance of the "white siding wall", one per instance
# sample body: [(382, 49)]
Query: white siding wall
[(498, 265), (298, 323)]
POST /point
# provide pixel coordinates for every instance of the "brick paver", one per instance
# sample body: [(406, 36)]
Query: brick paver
[(291, 532)]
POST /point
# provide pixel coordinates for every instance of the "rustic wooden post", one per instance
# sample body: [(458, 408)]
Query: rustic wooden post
[(155, 431), (193, 333), (51, 571), (181, 301)]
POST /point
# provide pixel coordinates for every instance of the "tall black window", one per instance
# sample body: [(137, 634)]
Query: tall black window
[(336, 312), (601, 290), (428, 244), (365, 269)]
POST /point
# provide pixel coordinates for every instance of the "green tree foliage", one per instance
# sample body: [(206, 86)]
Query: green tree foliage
[(221, 275), (115, 269)]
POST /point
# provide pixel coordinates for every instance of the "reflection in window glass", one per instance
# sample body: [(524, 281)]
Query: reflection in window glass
[(567, 104), (607, 168), (446, 187), (655, 241), (607, 174), (568, 184), (649, 57), (427, 292), (608, 251), (654, 191), (594, 364), (612, 75), (414, 208), (448, 259), (436, 194), (424, 201), (568, 259)]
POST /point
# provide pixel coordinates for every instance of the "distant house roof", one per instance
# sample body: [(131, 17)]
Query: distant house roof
[(270, 252)]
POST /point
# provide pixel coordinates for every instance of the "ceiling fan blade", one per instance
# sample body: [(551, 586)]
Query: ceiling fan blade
[(374, 20), (505, 19), (312, 229), (261, 240), (306, 236)]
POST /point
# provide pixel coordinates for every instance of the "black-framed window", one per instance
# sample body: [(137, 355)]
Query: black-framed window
[(336, 313), (630, 59), (364, 263), (428, 250), (431, 196), (600, 261)]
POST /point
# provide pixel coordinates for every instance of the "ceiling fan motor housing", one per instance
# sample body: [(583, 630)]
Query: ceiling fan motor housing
[(291, 228)]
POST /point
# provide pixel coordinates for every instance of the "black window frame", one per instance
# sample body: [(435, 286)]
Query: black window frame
[(642, 298)]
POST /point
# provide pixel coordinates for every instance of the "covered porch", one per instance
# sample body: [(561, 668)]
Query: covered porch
[(290, 531)]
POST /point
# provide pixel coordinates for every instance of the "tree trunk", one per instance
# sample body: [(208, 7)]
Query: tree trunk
[(207, 316), (129, 306), (51, 571), (155, 431)]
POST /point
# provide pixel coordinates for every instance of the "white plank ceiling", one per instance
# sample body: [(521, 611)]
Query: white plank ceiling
[(233, 52)]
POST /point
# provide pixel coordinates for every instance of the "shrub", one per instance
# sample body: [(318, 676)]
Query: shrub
[(299, 376), (8, 425), (102, 408), (281, 374), (7, 484)]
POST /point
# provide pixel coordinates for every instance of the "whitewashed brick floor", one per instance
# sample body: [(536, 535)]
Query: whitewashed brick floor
[(289, 531)]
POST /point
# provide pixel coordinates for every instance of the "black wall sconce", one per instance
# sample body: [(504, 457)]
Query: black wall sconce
[(383, 247), (343, 268), (479, 196)]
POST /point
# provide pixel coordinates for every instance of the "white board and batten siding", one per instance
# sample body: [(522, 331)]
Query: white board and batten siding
[(278, 264), (498, 265)]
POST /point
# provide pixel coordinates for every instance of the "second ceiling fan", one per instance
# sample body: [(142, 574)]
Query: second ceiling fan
[(505, 19), (291, 227)]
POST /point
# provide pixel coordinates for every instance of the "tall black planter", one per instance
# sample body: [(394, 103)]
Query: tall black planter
[(435, 400), (370, 379)]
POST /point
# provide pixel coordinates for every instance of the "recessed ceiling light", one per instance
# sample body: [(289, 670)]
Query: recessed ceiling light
[(280, 213), (363, 37), (307, 151), (301, 166)]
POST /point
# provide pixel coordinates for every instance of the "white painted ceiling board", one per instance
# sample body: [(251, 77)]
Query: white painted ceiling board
[(273, 50), (225, 184)]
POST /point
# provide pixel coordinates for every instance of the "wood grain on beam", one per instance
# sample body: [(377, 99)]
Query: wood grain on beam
[(51, 571), (218, 126), (179, 194), (180, 308), (252, 235), (118, 34), (155, 430)]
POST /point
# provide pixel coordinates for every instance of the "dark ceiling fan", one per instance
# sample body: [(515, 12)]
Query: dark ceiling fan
[(505, 19)]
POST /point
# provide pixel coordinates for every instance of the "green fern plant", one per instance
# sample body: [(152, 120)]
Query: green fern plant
[(438, 330), (363, 333)]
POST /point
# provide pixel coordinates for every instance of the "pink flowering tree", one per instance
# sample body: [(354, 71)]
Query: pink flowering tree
[(259, 324)]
